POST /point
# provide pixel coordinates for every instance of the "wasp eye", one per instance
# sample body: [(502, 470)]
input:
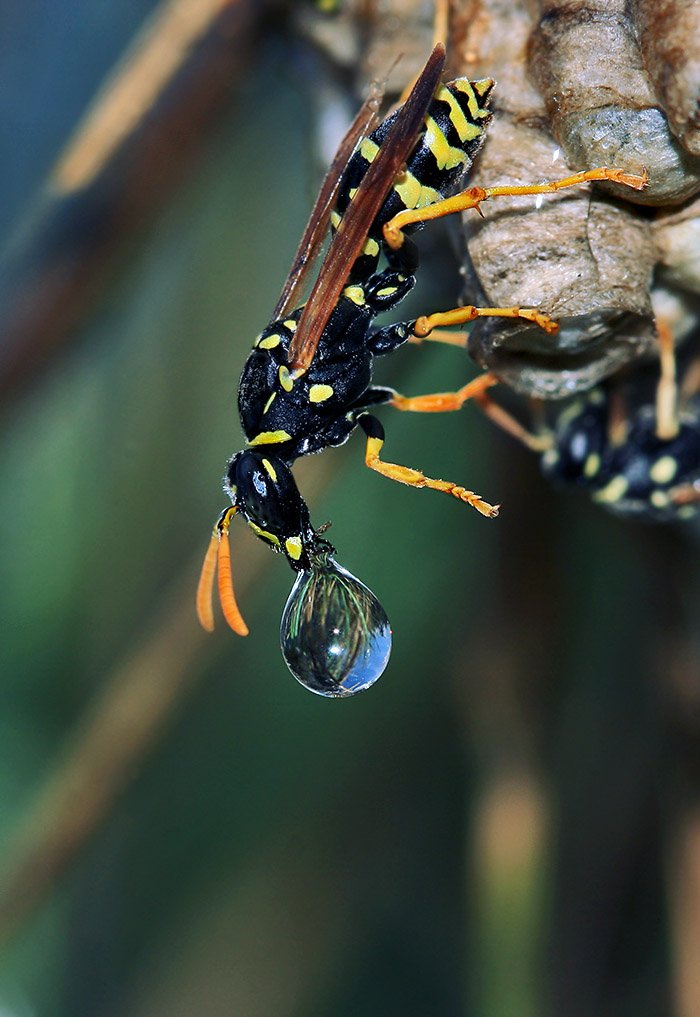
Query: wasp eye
[(335, 635)]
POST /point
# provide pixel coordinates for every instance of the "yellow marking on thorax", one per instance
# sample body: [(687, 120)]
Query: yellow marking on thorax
[(664, 470), (352, 192), (335, 219), (270, 342), (356, 294), (269, 438), (369, 149), (286, 379), (265, 534), (270, 469), (319, 393), (269, 402), (371, 248), (294, 548), (413, 193), (446, 156), (291, 324), (387, 291)]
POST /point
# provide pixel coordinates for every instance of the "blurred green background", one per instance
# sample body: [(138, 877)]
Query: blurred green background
[(503, 825)]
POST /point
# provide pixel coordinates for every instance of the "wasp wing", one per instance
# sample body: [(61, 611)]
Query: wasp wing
[(358, 217), (314, 235)]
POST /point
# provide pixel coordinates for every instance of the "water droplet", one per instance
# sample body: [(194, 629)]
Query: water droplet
[(335, 635)]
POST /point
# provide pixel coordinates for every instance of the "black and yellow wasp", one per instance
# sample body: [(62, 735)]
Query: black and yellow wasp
[(307, 383)]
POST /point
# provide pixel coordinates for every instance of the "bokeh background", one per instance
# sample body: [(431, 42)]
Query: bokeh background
[(507, 822)]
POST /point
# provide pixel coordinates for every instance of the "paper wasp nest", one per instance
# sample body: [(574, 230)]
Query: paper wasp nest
[(576, 90)]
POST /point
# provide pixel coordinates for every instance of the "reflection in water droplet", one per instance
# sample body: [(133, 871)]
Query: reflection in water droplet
[(335, 636)]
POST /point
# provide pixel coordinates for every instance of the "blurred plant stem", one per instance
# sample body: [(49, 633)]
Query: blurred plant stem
[(115, 172)]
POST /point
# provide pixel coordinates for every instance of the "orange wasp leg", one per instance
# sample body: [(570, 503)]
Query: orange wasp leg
[(411, 477), (439, 402), (443, 402), (460, 315), (219, 553), (473, 196)]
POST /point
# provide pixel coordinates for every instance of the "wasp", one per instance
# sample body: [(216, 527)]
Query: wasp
[(307, 382)]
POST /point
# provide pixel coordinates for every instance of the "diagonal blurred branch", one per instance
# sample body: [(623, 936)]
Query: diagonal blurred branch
[(145, 125), (103, 753)]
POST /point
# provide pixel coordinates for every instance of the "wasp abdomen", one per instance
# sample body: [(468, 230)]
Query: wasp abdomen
[(453, 132)]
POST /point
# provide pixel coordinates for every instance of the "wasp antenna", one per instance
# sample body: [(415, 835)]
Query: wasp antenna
[(226, 595), (205, 588)]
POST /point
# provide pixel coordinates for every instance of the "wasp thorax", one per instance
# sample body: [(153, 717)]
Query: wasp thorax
[(335, 634)]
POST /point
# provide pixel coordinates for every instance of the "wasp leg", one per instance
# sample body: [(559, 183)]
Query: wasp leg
[(459, 315), (444, 402), (538, 441), (414, 478), (473, 197), (440, 335), (667, 390)]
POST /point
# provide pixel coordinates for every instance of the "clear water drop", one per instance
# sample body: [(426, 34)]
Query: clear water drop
[(335, 635)]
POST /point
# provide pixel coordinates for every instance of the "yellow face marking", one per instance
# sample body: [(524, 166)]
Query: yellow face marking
[(269, 402), (270, 469), (664, 470), (466, 130), (356, 294), (369, 149), (286, 380), (446, 156), (387, 291), (291, 324), (591, 465), (613, 491), (371, 248), (269, 438), (293, 546), (269, 537), (319, 393), (270, 341)]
